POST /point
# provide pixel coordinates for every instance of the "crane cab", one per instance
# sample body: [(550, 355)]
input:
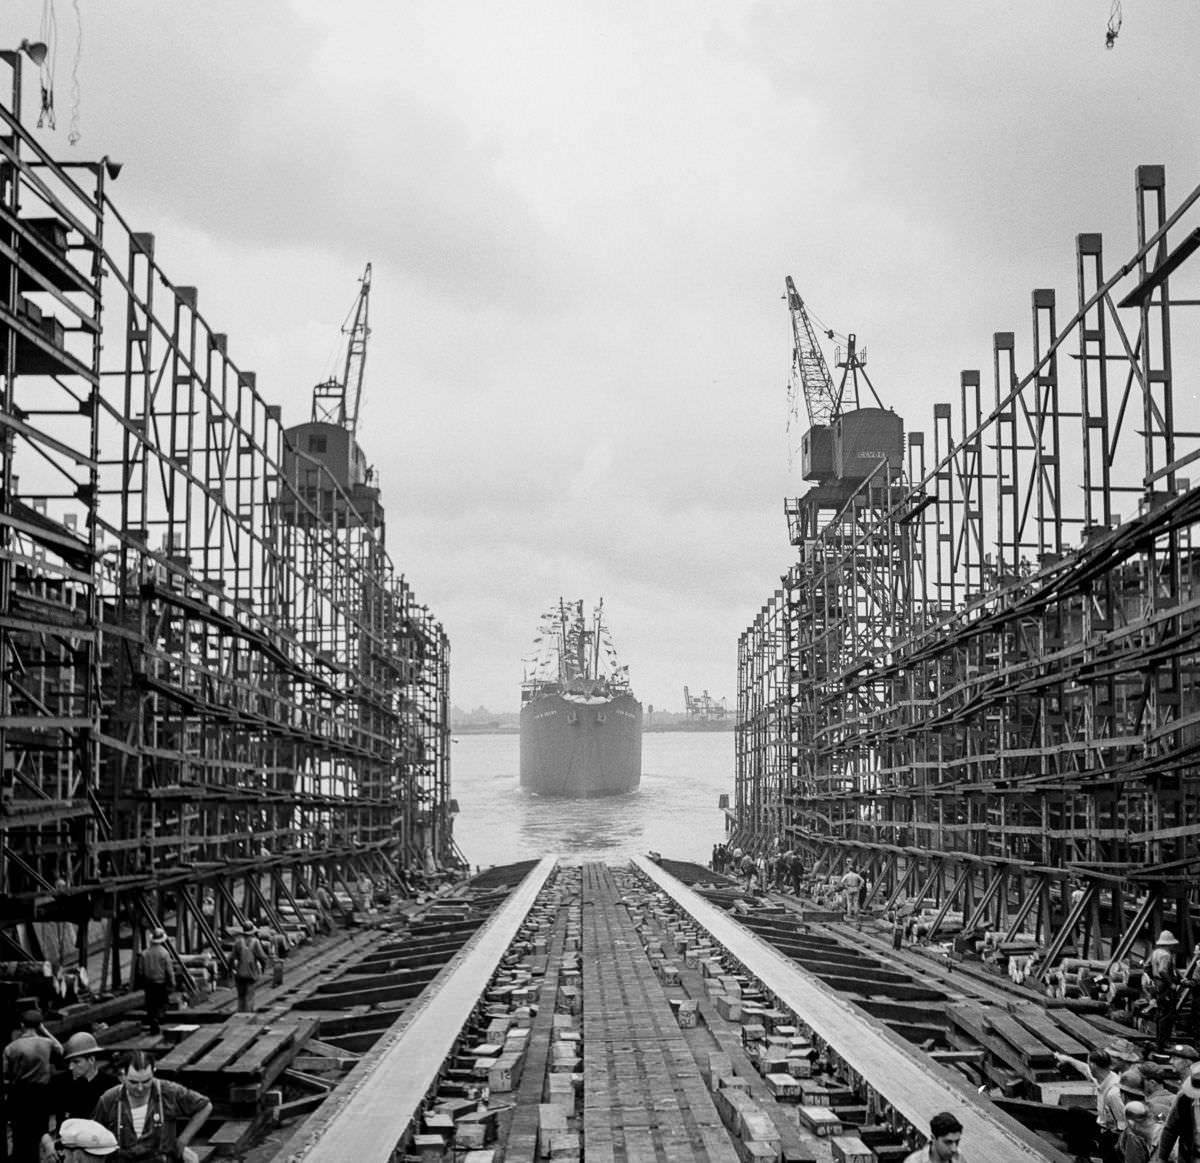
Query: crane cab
[(864, 437), (325, 465), (334, 447)]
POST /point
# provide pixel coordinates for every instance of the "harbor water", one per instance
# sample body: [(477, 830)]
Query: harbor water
[(674, 811)]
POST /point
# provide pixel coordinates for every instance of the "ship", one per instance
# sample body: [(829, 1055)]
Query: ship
[(581, 726)]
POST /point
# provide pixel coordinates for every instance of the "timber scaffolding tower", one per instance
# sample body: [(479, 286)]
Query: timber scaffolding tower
[(216, 692), (978, 678)]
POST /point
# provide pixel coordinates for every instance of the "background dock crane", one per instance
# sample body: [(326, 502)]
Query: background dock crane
[(704, 707)]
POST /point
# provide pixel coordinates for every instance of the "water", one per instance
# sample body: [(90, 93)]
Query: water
[(674, 811)]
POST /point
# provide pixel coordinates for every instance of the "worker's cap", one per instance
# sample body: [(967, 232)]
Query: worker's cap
[(1132, 1082), (1193, 1078), (32, 1016), (248, 928), (87, 1135), (159, 937), (1183, 1050), (80, 1045), (1166, 937), (1123, 1049), (1137, 1111)]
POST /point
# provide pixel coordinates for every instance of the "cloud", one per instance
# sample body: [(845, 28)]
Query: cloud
[(580, 218)]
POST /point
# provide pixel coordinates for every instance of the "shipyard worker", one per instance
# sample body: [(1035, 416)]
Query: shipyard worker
[(1160, 983), (780, 867), (796, 871), (27, 1075), (76, 1091), (249, 961), (1154, 1093), (1110, 1110), (945, 1136), (79, 1141), (1181, 1127), (157, 977), (1139, 1139), (276, 945), (143, 1112), (852, 885), (1179, 1060), (746, 868)]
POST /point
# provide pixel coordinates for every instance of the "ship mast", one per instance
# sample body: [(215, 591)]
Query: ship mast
[(562, 641), (580, 641), (596, 639)]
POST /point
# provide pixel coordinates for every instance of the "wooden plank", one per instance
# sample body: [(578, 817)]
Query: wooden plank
[(231, 1135), (1080, 1028), (193, 1046), (252, 1061), (231, 1045), (251, 1088), (324, 1049), (1054, 1036), (970, 1020), (291, 1035), (1034, 1052), (298, 1106)]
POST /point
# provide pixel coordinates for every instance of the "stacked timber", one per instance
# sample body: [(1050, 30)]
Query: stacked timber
[(237, 1064)]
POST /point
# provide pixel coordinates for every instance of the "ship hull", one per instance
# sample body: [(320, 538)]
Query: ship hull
[(576, 748)]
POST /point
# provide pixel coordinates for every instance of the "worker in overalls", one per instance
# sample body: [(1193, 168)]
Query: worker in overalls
[(144, 1112)]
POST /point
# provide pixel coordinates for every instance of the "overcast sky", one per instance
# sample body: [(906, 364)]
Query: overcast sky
[(580, 217)]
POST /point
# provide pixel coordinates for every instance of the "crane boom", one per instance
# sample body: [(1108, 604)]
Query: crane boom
[(356, 351), (337, 401), (810, 373)]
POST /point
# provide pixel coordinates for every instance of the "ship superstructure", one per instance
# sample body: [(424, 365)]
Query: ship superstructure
[(581, 726)]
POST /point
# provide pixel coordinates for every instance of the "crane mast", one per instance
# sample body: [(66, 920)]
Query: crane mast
[(337, 401)]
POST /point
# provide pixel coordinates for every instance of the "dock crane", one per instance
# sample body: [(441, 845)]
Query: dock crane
[(828, 448), (810, 376), (704, 708), (337, 401)]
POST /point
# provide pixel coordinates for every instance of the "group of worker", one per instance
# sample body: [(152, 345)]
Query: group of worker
[(783, 870), (1145, 1108), (130, 1116), (254, 952)]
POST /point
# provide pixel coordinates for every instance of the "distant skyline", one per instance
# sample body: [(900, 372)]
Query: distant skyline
[(580, 217)]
